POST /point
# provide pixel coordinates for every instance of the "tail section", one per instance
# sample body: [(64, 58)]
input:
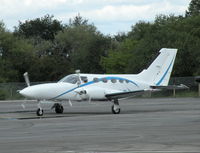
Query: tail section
[(158, 73)]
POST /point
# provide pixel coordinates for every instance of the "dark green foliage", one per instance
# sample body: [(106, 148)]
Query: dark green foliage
[(16, 57), (83, 45), (45, 28), (79, 21), (118, 59), (166, 32), (194, 8), (49, 50), (2, 95), (77, 46)]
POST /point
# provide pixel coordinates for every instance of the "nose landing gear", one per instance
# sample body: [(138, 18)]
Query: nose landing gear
[(39, 112)]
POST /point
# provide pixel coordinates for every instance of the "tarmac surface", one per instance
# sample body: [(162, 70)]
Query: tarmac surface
[(144, 125)]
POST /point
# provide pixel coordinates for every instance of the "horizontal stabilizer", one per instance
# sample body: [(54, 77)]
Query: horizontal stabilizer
[(171, 87)]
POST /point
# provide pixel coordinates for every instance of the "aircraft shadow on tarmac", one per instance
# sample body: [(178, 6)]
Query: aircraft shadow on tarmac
[(30, 114)]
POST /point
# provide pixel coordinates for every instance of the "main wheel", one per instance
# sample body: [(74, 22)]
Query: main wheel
[(39, 112), (59, 109), (115, 110)]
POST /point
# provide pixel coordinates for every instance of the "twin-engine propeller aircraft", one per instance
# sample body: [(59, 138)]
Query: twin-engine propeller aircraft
[(109, 87)]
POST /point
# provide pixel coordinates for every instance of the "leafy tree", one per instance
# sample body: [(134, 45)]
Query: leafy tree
[(120, 36), (83, 45), (194, 8), (139, 30), (78, 21), (2, 27), (45, 28), (49, 68), (49, 50), (118, 59), (16, 57), (165, 32)]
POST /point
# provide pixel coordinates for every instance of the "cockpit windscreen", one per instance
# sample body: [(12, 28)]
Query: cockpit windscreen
[(70, 79)]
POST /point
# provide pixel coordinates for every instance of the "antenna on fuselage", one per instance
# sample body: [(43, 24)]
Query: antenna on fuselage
[(79, 78)]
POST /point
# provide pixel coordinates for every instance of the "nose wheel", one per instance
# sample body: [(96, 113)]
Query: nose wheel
[(115, 107), (39, 112)]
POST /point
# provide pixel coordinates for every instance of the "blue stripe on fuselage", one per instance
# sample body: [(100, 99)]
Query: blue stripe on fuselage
[(92, 82)]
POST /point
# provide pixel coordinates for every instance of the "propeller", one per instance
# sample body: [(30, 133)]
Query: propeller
[(70, 103), (79, 78), (23, 105), (26, 79), (89, 99)]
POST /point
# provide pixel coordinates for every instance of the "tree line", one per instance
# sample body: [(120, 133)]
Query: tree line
[(49, 49)]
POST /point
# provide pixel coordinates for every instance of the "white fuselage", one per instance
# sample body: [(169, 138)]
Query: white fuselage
[(95, 88), (99, 87)]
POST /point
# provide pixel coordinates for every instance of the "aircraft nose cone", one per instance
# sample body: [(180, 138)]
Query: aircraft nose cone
[(25, 93), (29, 92)]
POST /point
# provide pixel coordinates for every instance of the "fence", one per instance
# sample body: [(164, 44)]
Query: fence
[(9, 91)]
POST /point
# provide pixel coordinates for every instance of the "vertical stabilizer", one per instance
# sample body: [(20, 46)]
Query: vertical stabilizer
[(158, 73)]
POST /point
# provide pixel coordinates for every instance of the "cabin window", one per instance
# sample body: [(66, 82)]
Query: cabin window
[(96, 80), (127, 81), (104, 80), (113, 80), (121, 81), (84, 79)]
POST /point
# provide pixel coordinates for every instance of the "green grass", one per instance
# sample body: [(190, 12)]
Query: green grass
[(187, 94)]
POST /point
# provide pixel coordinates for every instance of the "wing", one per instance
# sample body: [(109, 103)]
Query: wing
[(118, 95)]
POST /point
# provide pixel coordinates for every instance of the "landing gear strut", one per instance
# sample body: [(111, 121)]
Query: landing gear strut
[(58, 108), (39, 111), (115, 107)]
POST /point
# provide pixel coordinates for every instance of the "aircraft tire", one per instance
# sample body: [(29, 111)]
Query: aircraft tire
[(39, 112), (115, 111), (59, 109)]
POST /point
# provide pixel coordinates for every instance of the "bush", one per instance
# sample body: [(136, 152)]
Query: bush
[(2, 95)]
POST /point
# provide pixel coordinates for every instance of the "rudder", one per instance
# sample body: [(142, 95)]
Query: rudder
[(159, 72)]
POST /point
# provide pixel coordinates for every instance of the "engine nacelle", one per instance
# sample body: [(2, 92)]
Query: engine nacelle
[(96, 93)]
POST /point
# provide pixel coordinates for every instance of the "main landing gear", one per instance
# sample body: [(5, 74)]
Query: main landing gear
[(115, 107), (57, 106)]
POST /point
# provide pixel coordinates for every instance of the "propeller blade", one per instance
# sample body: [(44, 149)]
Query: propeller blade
[(26, 79), (89, 99), (23, 105), (79, 78), (70, 103)]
